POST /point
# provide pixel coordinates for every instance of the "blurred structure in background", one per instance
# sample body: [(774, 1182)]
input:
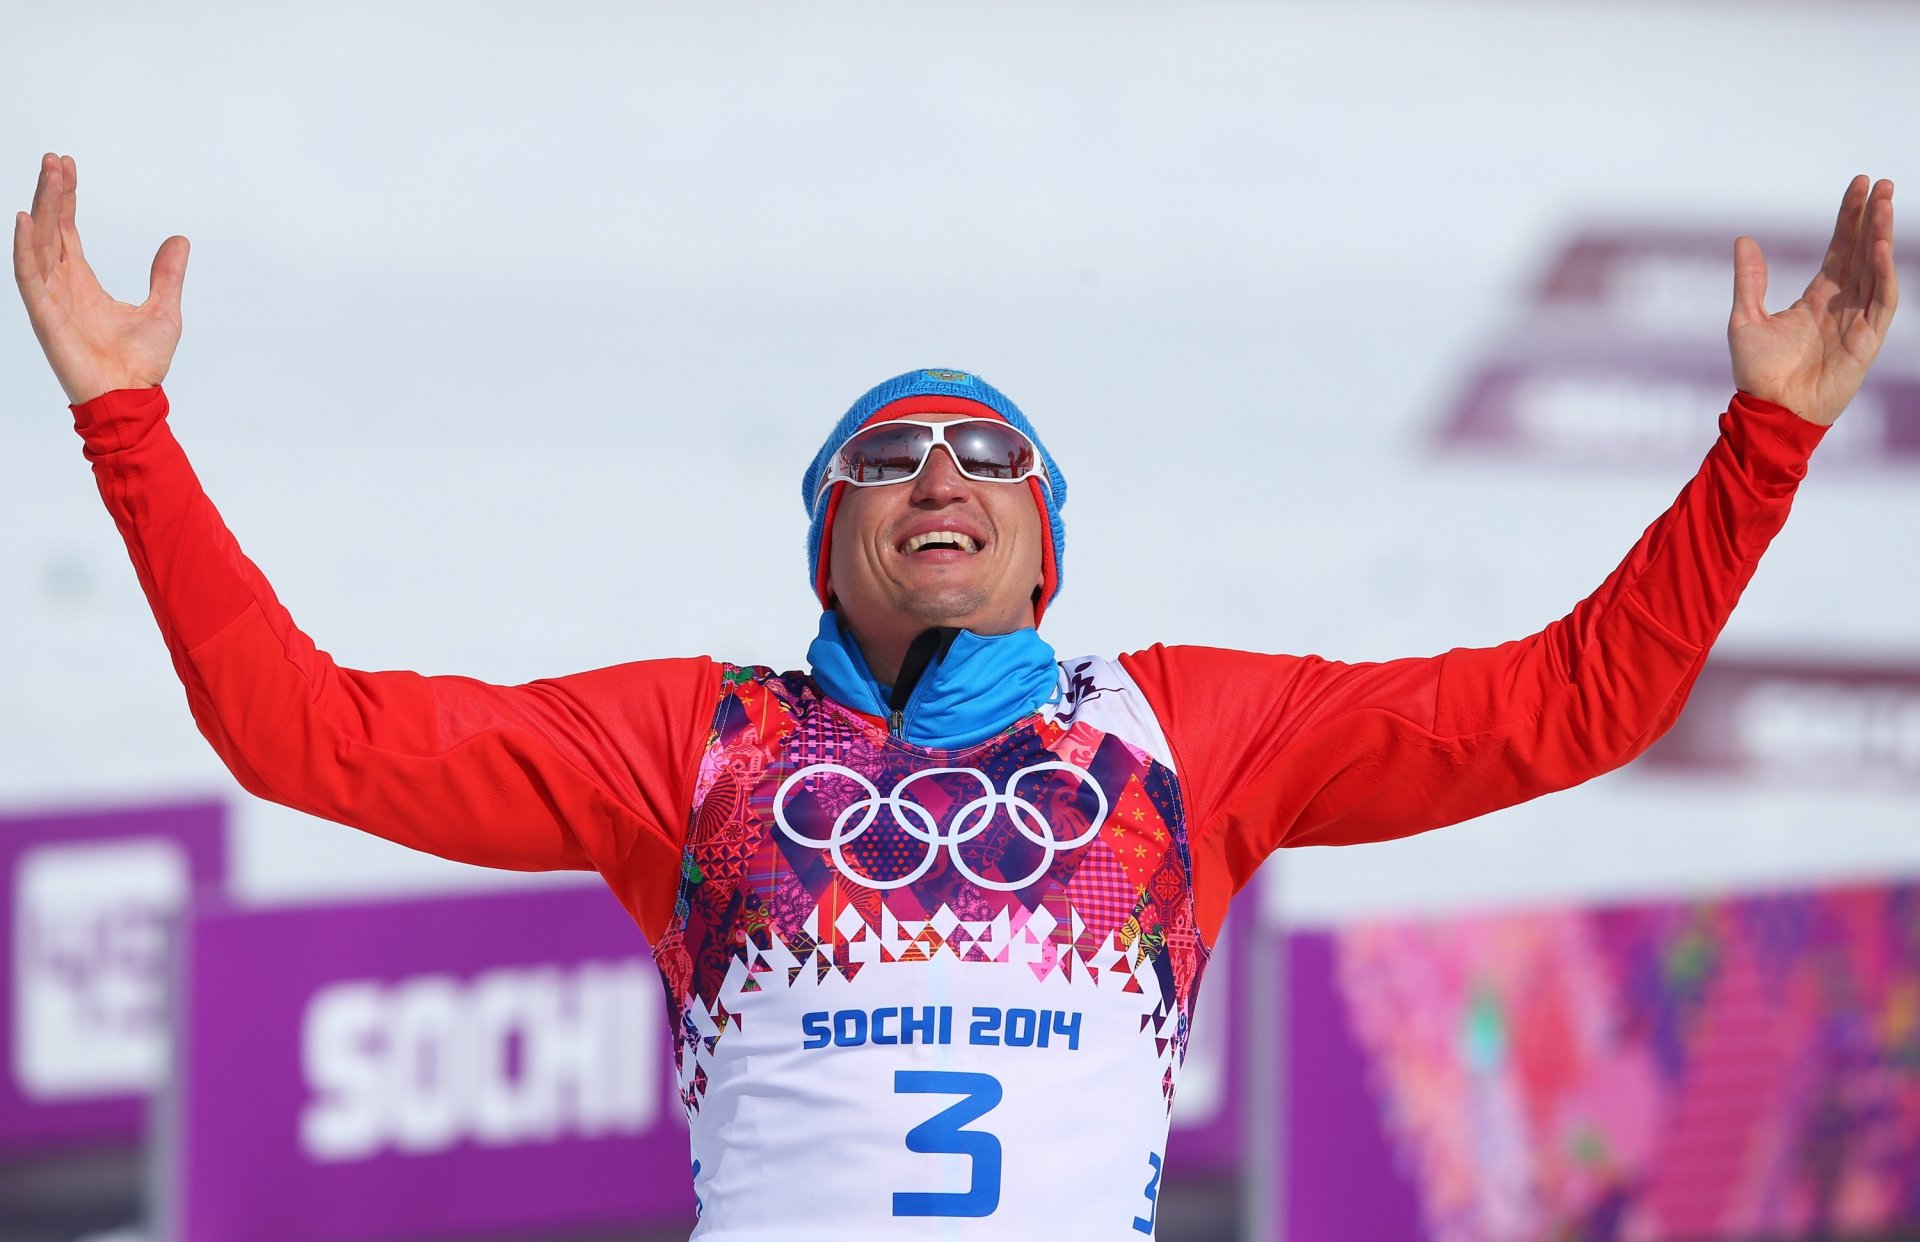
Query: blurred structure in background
[(1624, 343), (89, 905), (1737, 1068)]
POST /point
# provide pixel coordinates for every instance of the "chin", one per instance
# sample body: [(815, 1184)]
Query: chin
[(962, 608)]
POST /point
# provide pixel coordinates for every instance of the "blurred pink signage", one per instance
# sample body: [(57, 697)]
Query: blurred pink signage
[(89, 902), (1621, 360), (1731, 1068), (425, 1068), (1649, 408), (1819, 723), (1667, 281)]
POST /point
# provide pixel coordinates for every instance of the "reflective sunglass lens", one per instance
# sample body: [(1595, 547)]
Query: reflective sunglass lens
[(989, 450), (884, 453)]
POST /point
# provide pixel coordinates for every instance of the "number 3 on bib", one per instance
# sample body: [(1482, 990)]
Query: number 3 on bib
[(942, 1134), (1144, 1224)]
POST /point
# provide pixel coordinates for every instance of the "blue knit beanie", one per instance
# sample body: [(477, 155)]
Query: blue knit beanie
[(933, 382)]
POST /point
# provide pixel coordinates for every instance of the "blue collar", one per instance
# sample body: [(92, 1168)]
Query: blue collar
[(984, 684)]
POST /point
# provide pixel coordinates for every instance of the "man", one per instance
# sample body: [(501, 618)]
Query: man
[(932, 917)]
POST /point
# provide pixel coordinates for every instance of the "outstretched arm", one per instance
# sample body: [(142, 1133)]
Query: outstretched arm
[(1279, 750), (589, 771)]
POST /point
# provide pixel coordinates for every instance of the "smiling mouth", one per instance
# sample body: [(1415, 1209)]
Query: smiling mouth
[(940, 540)]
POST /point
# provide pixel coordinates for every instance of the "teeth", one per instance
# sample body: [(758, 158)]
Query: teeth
[(942, 538)]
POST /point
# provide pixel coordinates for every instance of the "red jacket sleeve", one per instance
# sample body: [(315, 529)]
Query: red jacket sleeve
[(1296, 750), (592, 771)]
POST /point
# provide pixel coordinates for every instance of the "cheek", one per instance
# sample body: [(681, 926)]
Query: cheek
[(843, 543), (1028, 529)]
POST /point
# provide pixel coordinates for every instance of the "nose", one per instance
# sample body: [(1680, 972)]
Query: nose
[(939, 482)]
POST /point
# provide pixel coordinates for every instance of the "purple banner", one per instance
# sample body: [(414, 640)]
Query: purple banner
[(1620, 359), (415, 1069), (88, 906), (1658, 280), (1648, 408), (1856, 725), (1746, 1067)]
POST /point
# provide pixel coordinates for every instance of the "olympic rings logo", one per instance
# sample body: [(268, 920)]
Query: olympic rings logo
[(918, 822)]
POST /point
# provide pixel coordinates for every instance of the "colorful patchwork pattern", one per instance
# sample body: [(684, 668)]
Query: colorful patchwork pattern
[(821, 845)]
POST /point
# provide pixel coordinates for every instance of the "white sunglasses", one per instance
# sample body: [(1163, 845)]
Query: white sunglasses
[(983, 449)]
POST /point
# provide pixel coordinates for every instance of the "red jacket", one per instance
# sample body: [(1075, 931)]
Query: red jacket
[(595, 770)]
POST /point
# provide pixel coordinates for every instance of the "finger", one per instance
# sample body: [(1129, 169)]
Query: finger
[(1886, 290), (169, 274), (1749, 282), (46, 189), (68, 178), (46, 230), (1861, 263), (26, 272), (1878, 224), (1839, 261), (69, 202), (1886, 282)]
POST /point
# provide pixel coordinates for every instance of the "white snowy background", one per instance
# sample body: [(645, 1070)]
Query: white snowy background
[(510, 327)]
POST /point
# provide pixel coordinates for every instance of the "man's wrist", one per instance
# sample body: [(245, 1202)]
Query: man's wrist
[(118, 418), (1767, 432)]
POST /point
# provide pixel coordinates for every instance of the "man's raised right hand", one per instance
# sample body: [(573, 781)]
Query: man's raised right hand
[(94, 343)]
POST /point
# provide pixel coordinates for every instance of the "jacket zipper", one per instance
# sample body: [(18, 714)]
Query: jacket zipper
[(922, 654)]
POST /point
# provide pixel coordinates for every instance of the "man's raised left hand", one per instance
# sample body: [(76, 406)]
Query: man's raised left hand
[(1812, 356)]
